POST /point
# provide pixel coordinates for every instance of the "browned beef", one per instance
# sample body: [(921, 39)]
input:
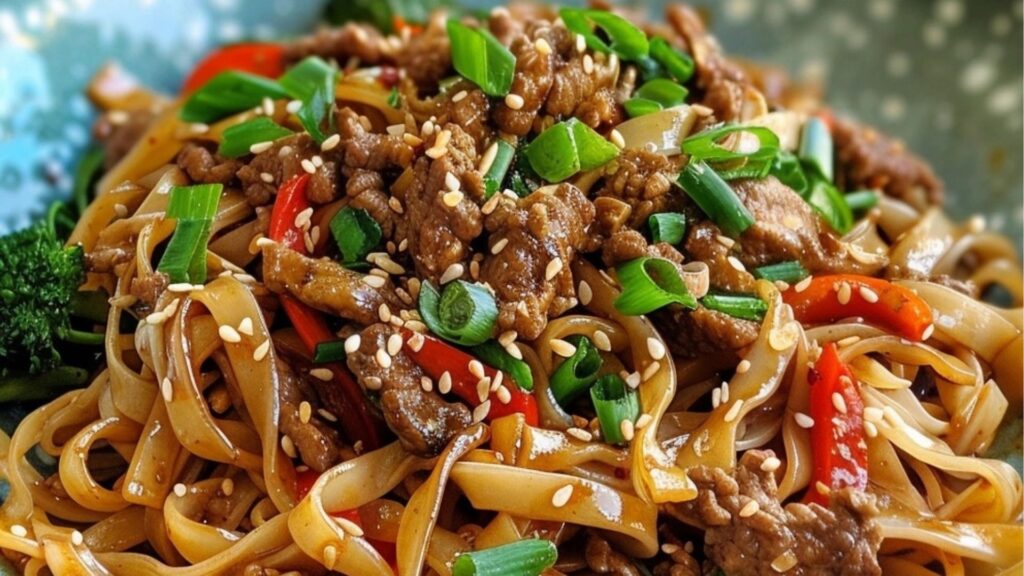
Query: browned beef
[(867, 159), (147, 289), (574, 89), (702, 244), (281, 162), (316, 442), (839, 540), (366, 190), (352, 39), (549, 224), (680, 563), (202, 164), (471, 114), (643, 180), (426, 57), (603, 559), (118, 137), (690, 333), (370, 150), (532, 82), (423, 421), (325, 285)]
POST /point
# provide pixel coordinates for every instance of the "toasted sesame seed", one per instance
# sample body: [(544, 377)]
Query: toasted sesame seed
[(330, 143), (514, 351), (655, 348), (373, 281), (427, 129), (669, 548), (499, 246), (260, 147), (268, 177), (452, 198), (743, 367), (227, 486), (561, 347), (716, 397), (542, 46), (476, 368), (385, 263), (167, 389), (602, 341), (348, 526), (322, 374), (382, 357), (651, 369), (504, 396), (633, 380), (588, 64), (180, 490), (305, 412), (627, 429), (330, 417), (246, 326), (725, 241), (396, 205), (870, 429), (302, 218), (308, 166), (394, 345), (412, 139), (514, 101), (617, 139), (749, 509), (453, 272), (261, 351), (426, 384), (416, 341), (734, 411), (561, 496), (838, 402), (180, 287), (580, 434), (384, 313), (121, 210), (491, 204), (928, 332), (288, 445), (585, 293), (459, 96), (372, 383), (781, 285), (822, 488), (725, 391), (444, 383), (395, 129), (770, 464), (481, 411), (643, 421), (844, 292), (868, 294), (229, 334), (803, 420), (581, 43), (803, 284), (553, 268), (784, 562), (199, 128), (736, 264)]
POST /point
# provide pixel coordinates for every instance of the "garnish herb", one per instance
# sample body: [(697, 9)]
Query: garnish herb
[(481, 59), (239, 138), (649, 283), (714, 196), (614, 402), (193, 207), (463, 313), (669, 227)]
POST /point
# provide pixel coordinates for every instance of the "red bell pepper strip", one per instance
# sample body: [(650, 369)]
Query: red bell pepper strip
[(839, 451), (310, 324), (878, 301), (436, 357), (260, 58)]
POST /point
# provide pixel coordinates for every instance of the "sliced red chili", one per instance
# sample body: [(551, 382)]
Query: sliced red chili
[(260, 58)]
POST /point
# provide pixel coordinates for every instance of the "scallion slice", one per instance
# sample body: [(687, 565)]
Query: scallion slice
[(816, 147), (492, 354), (669, 227), (520, 558), (613, 403), (394, 98), (649, 283), (714, 196), (628, 41), (329, 351), (184, 259), (577, 373), (356, 233), (746, 307), (637, 107), (786, 167), (862, 200), (481, 58), (463, 313), (704, 146), (239, 138), (663, 91), (312, 82), (229, 93), (791, 272), (499, 167), (566, 148), (830, 204), (678, 64)]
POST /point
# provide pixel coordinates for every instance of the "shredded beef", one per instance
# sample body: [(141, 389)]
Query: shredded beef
[(867, 159), (147, 289), (369, 150), (325, 285), (549, 224), (203, 164), (352, 39), (532, 82), (423, 421), (603, 559), (426, 57), (316, 442), (471, 113), (643, 180), (702, 244), (839, 540)]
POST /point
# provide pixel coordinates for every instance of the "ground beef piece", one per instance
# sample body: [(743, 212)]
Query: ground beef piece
[(108, 259), (839, 540), (203, 164), (316, 442), (603, 559), (369, 150), (702, 243), (643, 180), (547, 225), (366, 191), (120, 136), (471, 113), (867, 159), (325, 285), (680, 563), (423, 421), (601, 108), (532, 82), (573, 86), (271, 168), (426, 57), (440, 235), (147, 289), (353, 39)]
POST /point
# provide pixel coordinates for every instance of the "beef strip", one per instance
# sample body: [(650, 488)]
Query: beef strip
[(202, 163), (279, 164), (316, 442), (550, 223), (643, 180), (702, 244), (370, 150), (839, 540), (423, 421), (471, 114), (366, 191), (352, 39), (325, 285), (867, 159)]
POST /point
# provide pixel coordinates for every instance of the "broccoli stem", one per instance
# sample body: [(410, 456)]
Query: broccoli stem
[(90, 304), (82, 337), (41, 386)]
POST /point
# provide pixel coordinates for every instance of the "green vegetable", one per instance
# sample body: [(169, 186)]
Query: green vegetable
[(329, 351), (521, 558), (786, 167), (521, 178), (613, 403), (394, 98), (831, 204), (481, 59), (229, 93), (381, 13), (669, 227), (463, 313), (628, 41), (791, 271), (637, 107), (650, 283), (312, 81), (238, 139), (21, 387), (86, 175), (704, 147), (862, 200), (492, 354), (193, 207), (577, 373), (714, 196), (499, 168), (663, 91), (566, 148), (678, 64), (816, 147), (356, 233), (746, 307)]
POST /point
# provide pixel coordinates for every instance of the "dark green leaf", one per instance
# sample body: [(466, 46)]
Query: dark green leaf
[(229, 93), (480, 58), (238, 139), (356, 233), (628, 41)]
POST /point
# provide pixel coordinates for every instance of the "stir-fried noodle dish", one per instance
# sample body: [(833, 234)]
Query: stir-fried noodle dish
[(529, 291)]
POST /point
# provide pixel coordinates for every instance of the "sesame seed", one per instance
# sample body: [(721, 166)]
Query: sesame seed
[(770, 464), (725, 241), (504, 396), (784, 562), (293, 106), (385, 263), (260, 147), (602, 341), (427, 129), (588, 64), (348, 526), (326, 415), (330, 556), (803, 284), (180, 287), (633, 380), (19, 530), (373, 281), (561, 496), (416, 341), (844, 293), (444, 384), (651, 369), (180, 490), (561, 347), (580, 434), (77, 538), (167, 389), (585, 293), (581, 43), (459, 96), (322, 374), (870, 429), (453, 272), (782, 285), (499, 246), (838, 402), (643, 421), (305, 412), (121, 210), (928, 332), (553, 268), (716, 397), (734, 411), (476, 368), (725, 391), (481, 411), (308, 166), (627, 429), (384, 313), (372, 383), (736, 264), (412, 139), (514, 101), (383, 359), (268, 106), (491, 204), (426, 384), (868, 294), (395, 129), (229, 334), (227, 486), (542, 46), (452, 198), (749, 509), (261, 351), (514, 351), (394, 344), (822, 488), (669, 548), (655, 348), (743, 367), (288, 445), (803, 420), (617, 139), (199, 128), (245, 326), (330, 143)]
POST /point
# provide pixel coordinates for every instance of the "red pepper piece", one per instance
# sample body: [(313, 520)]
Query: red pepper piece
[(260, 58)]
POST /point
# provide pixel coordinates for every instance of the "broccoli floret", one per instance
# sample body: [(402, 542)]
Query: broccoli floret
[(38, 278)]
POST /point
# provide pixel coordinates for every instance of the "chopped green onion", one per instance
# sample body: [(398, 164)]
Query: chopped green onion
[(637, 107), (669, 227), (312, 82), (628, 41), (329, 351), (704, 146), (577, 373), (786, 167), (499, 167), (650, 68), (228, 93), (663, 91), (356, 233), (715, 198), (649, 283), (193, 207), (862, 200), (520, 558), (86, 174), (492, 354), (464, 313), (481, 58), (816, 147), (238, 139), (394, 98), (566, 148), (678, 64), (746, 307), (521, 178), (790, 272), (830, 204), (613, 403)]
